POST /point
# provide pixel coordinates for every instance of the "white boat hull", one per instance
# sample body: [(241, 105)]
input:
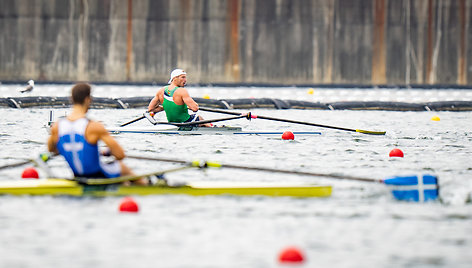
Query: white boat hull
[(172, 130)]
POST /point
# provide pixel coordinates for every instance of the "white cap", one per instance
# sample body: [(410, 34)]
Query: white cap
[(176, 73)]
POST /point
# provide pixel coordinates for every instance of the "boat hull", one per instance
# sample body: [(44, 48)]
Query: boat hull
[(72, 188), (202, 131)]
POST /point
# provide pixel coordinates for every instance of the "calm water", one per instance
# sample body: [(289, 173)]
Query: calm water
[(361, 225)]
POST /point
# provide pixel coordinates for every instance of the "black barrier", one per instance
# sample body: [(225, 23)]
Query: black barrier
[(244, 104)]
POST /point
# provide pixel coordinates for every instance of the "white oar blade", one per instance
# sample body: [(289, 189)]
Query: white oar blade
[(414, 188)]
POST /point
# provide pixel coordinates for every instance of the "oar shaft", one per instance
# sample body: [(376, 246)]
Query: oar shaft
[(132, 121), (158, 159), (218, 111), (44, 157), (303, 173), (207, 121), (297, 122), (294, 172), (277, 119), (303, 123), (93, 181), (16, 164)]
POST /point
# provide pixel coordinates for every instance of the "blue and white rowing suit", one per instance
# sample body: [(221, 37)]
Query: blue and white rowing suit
[(83, 157)]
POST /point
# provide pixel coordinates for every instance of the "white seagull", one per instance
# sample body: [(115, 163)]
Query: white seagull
[(29, 88)]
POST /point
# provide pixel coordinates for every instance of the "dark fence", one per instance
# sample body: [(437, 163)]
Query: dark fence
[(365, 42), (264, 103)]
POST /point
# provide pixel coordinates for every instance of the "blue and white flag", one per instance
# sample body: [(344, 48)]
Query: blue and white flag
[(418, 188)]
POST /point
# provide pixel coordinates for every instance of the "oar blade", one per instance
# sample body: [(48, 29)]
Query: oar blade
[(371, 132), (420, 188)]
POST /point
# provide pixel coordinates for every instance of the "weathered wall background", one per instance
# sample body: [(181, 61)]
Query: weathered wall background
[(398, 42)]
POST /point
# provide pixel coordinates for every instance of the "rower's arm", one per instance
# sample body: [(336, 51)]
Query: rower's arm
[(96, 131), (52, 141), (157, 109), (191, 104), (154, 105), (115, 149)]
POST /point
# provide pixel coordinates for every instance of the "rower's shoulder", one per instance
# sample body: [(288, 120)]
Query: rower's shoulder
[(96, 126), (181, 91)]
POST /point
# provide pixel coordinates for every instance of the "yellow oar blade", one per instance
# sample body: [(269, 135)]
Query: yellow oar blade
[(371, 132)]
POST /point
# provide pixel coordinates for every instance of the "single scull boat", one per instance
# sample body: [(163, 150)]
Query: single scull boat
[(65, 187)]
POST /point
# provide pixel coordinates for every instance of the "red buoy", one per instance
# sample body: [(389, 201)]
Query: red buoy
[(30, 173), (128, 205), (396, 153), (288, 135), (291, 255)]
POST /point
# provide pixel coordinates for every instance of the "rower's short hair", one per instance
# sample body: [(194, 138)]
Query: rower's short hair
[(80, 92)]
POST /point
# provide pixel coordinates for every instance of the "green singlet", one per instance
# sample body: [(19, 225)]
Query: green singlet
[(175, 113)]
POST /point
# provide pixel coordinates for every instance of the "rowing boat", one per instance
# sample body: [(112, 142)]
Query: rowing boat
[(193, 130), (66, 187)]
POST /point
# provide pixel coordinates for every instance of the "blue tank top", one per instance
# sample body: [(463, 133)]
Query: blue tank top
[(83, 157)]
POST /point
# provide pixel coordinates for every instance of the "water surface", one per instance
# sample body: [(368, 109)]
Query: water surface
[(360, 225)]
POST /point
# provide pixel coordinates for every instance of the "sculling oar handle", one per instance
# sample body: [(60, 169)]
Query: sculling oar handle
[(296, 122)]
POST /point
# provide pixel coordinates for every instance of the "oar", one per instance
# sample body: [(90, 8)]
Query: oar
[(296, 122), (132, 121), (216, 164), (145, 115), (21, 163), (198, 122), (94, 181), (44, 157), (408, 188)]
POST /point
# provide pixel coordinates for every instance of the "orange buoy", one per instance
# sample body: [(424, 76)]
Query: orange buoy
[(129, 205), (288, 135), (30, 173), (291, 255), (396, 153)]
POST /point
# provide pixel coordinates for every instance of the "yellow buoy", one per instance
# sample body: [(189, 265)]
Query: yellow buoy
[(206, 96), (435, 118), (310, 91)]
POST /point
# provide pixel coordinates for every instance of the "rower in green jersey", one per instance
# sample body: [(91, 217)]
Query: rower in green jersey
[(175, 100)]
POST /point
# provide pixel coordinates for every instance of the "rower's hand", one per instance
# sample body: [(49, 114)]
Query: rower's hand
[(150, 116), (156, 110), (106, 152)]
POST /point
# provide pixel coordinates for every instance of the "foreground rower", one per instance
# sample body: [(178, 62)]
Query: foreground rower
[(76, 138), (176, 100)]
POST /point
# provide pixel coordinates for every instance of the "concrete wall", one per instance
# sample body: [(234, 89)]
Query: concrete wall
[(238, 41)]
